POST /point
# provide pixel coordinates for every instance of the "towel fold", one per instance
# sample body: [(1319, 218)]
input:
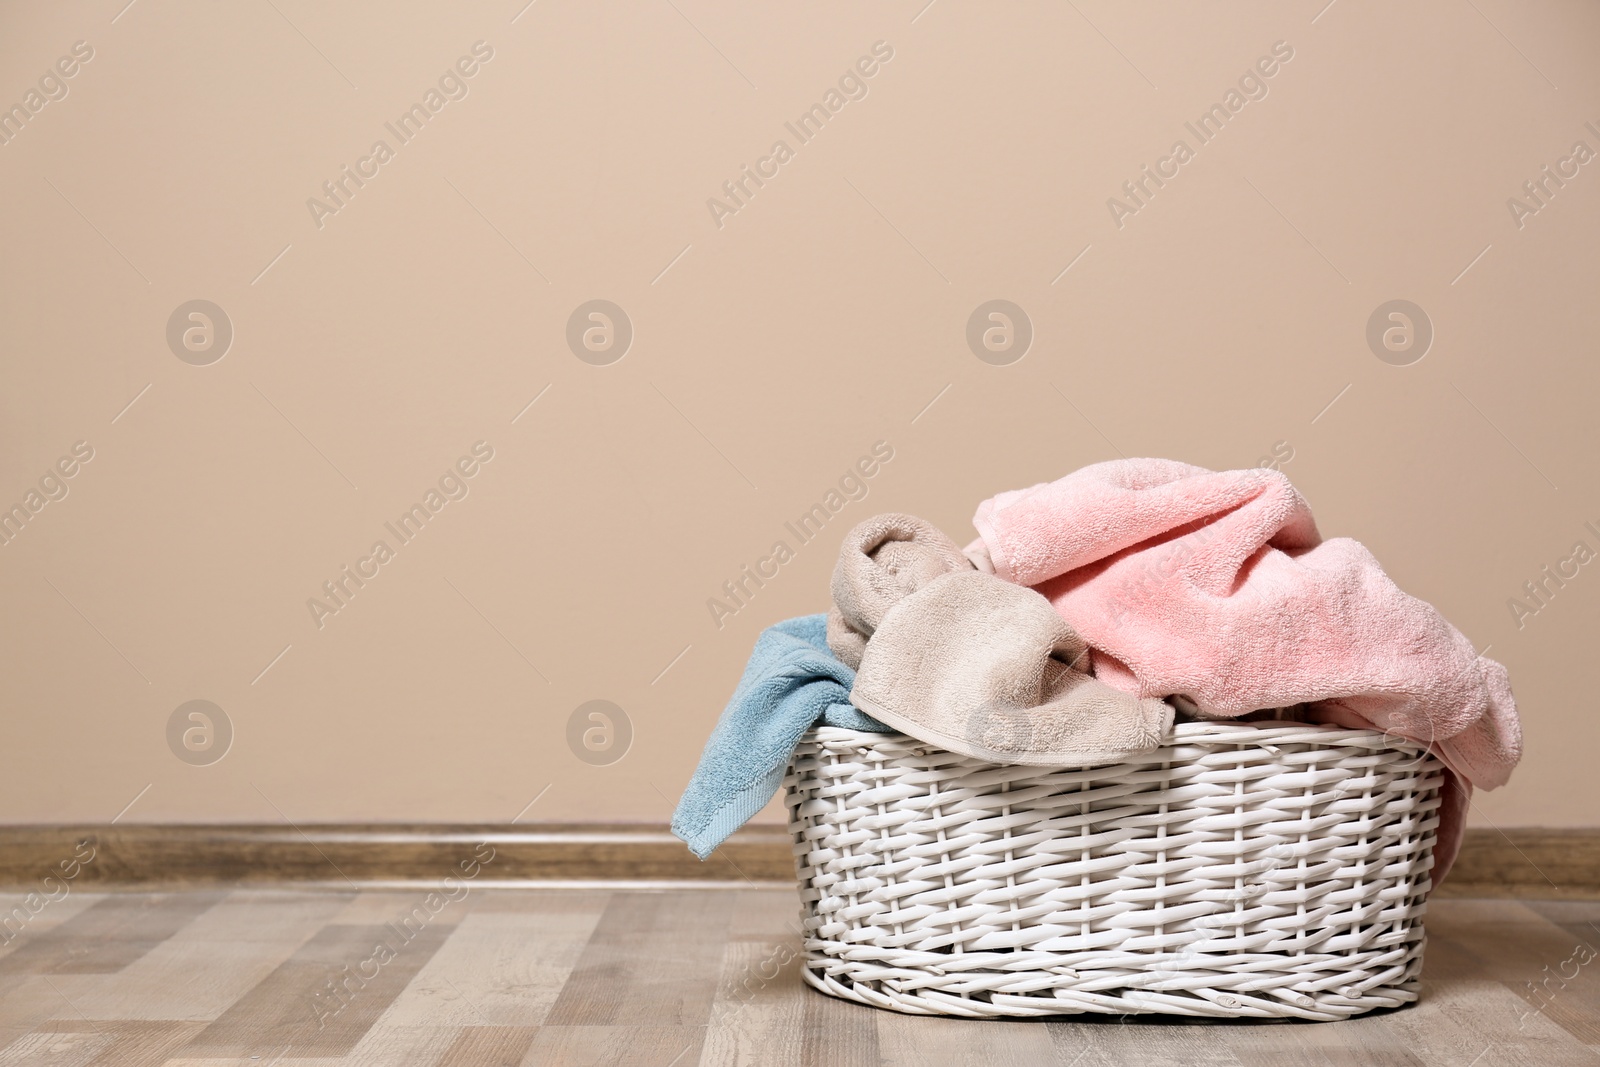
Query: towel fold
[(974, 664), (985, 669), (881, 561), (791, 683)]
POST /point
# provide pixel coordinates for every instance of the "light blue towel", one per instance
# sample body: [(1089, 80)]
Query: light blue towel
[(791, 682)]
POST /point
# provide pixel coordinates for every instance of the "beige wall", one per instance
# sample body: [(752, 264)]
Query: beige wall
[(1215, 325)]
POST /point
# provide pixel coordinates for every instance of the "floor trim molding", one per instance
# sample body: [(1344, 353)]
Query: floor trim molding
[(1523, 862), (1527, 861), (370, 855)]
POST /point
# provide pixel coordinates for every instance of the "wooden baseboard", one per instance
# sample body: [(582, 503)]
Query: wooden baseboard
[(373, 855), (1513, 863), (1527, 862)]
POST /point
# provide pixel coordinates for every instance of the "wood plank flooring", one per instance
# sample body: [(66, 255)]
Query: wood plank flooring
[(302, 978)]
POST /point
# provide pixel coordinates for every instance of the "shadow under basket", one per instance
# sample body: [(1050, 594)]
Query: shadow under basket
[(1241, 870)]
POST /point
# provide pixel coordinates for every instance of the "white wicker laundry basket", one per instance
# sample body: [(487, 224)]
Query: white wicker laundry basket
[(1271, 870)]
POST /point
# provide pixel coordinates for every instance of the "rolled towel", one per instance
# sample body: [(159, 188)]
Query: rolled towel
[(882, 560)]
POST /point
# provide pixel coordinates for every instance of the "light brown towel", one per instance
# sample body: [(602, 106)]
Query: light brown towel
[(883, 560), (970, 662)]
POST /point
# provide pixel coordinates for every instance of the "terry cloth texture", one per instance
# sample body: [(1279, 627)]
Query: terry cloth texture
[(969, 662), (882, 560), (791, 683), (1217, 589)]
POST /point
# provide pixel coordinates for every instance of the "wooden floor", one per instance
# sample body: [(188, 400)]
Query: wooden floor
[(669, 979)]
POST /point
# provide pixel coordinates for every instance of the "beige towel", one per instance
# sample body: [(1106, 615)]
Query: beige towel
[(969, 662), (883, 559)]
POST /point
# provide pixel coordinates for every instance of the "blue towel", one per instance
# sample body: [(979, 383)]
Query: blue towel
[(791, 682)]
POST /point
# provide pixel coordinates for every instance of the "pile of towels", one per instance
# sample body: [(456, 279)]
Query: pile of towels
[(1090, 614)]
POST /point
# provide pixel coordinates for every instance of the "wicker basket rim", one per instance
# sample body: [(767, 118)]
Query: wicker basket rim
[(1261, 733)]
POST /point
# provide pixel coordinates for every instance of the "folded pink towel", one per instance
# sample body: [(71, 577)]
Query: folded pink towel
[(1216, 589)]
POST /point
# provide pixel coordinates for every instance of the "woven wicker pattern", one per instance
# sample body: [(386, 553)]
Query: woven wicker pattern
[(1242, 870)]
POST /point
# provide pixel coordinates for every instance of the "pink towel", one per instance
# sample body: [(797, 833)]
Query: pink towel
[(1216, 589)]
